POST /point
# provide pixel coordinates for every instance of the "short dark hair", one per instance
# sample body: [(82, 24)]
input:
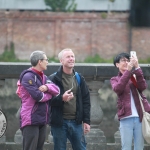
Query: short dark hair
[(119, 56)]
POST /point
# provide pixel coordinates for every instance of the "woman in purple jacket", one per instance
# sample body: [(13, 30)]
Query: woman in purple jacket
[(128, 104), (35, 91)]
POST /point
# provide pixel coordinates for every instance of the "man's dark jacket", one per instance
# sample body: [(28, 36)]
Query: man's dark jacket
[(82, 101)]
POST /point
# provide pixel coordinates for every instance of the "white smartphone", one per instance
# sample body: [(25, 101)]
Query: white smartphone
[(133, 53)]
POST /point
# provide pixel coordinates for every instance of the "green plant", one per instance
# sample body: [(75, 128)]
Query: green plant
[(53, 59), (112, 1), (61, 5), (144, 61), (97, 59), (104, 15), (9, 55)]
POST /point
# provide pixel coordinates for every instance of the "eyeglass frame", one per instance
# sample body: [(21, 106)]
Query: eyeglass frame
[(124, 60), (45, 59)]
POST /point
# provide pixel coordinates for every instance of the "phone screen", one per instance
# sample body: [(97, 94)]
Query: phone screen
[(133, 53)]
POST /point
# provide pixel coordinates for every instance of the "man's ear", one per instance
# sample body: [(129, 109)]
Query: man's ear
[(60, 61)]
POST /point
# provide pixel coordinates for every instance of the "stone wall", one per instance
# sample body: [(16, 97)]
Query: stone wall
[(10, 103), (104, 132), (86, 33)]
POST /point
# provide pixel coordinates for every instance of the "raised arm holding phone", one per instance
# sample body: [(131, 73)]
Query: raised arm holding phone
[(129, 78)]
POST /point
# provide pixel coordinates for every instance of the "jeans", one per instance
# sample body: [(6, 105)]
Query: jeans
[(69, 130), (131, 128)]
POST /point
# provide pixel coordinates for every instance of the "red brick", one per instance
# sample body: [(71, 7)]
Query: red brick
[(86, 33)]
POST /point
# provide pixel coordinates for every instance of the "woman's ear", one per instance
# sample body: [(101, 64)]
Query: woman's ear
[(39, 62), (117, 65)]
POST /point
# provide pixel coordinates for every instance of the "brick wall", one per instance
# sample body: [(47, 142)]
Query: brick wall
[(86, 33)]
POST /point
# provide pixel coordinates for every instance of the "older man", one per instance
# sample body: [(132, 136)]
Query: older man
[(72, 107)]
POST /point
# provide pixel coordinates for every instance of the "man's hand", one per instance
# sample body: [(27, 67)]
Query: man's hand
[(67, 96), (86, 128)]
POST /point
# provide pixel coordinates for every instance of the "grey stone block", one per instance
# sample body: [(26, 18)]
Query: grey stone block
[(18, 137)]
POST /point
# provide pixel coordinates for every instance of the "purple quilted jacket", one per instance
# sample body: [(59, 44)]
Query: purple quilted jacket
[(34, 103)]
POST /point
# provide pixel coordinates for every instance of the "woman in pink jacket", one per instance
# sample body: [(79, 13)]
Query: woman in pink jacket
[(35, 91), (128, 104)]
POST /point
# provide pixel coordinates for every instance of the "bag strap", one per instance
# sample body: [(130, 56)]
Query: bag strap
[(78, 78), (140, 98)]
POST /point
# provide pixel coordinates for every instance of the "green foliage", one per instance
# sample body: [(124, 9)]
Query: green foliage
[(144, 61), (112, 1), (9, 55), (104, 15), (53, 60), (61, 5), (97, 59)]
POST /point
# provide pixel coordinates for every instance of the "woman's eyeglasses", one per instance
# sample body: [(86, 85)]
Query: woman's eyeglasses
[(124, 60)]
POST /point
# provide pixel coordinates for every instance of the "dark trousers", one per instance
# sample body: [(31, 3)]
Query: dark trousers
[(34, 137)]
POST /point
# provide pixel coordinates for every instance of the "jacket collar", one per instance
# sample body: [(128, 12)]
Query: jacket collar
[(119, 74), (60, 70)]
